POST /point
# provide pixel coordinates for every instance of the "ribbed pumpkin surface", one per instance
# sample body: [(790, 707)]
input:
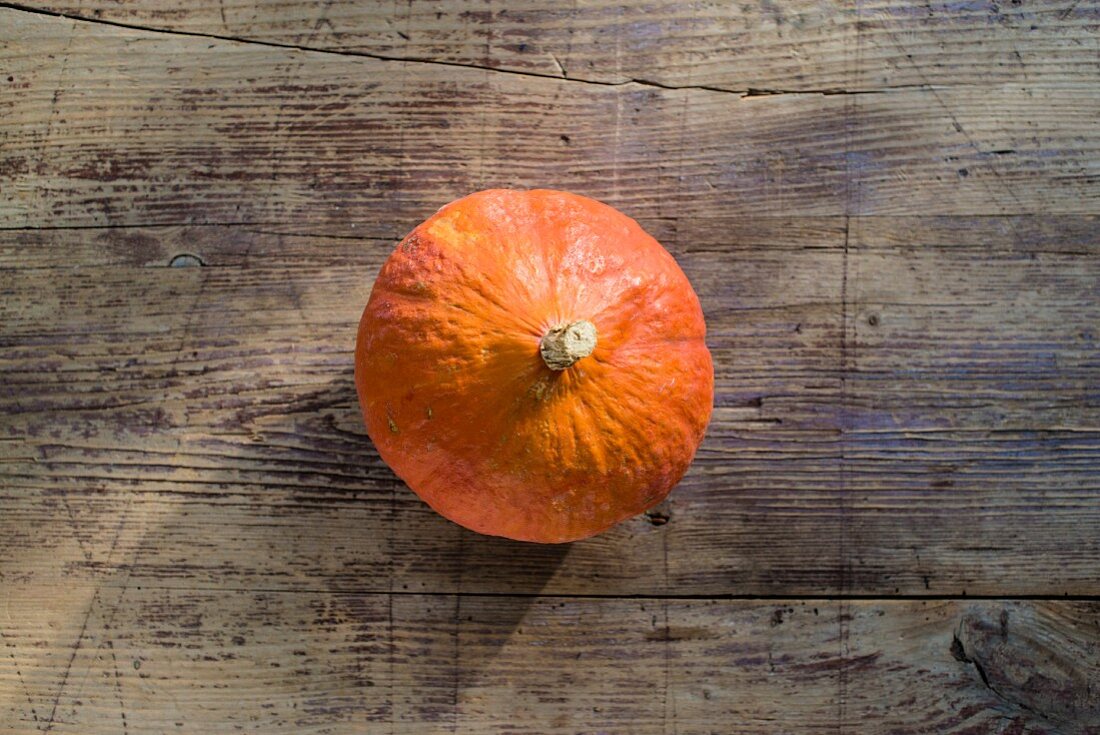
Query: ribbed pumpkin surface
[(453, 365)]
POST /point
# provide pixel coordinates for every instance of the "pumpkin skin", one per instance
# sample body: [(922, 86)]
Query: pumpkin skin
[(461, 403)]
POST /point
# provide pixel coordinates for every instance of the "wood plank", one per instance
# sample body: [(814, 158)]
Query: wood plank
[(982, 328), (795, 45), (120, 658), (971, 397), (213, 409), (113, 126)]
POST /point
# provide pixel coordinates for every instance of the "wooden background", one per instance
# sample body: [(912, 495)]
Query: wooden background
[(888, 208)]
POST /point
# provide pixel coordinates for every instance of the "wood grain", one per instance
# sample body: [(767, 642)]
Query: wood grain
[(790, 46), (196, 130), (118, 658), (889, 210), (1042, 658), (215, 405)]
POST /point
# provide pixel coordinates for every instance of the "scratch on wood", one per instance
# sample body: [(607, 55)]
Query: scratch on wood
[(185, 332), (844, 577), (456, 672), (391, 656), (118, 687), (108, 621), (561, 68), (669, 713), (955, 122), (18, 673), (42, 158), (69, 665), (84, 624), (76, 529), (1066, 13), (843, 607), (322, 19)]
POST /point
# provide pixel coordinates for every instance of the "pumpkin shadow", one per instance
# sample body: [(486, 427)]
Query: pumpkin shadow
[(455, 598), (422, 551), (454, 647)]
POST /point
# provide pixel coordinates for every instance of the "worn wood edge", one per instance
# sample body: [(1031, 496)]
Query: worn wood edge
[(1002, 476), (77, 15), (915, 667), (824, 38), (234, 245), (731, 155), (121, 577)]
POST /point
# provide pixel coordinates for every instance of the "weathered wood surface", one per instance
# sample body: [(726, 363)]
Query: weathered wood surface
[(765, 47), (948, 445), (118, 658), (898, 252), (114, 126)]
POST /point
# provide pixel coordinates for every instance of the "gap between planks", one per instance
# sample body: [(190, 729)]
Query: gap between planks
[(809, 597)]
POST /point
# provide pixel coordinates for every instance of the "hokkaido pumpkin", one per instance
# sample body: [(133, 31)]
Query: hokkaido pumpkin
[(533, 365)]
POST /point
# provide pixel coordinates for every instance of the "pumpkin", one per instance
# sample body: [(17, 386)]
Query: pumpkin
[(533, 365)]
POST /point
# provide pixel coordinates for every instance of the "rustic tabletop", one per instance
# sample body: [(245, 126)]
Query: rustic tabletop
[(889, 210)]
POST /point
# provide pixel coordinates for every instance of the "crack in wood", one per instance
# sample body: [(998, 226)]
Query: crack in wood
[(745, 93), (1035, 658)]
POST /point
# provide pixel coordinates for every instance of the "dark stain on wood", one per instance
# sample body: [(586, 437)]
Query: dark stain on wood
[(1044, 664)]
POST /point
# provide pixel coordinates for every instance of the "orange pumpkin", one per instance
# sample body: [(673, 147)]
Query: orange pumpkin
[(533, 365)]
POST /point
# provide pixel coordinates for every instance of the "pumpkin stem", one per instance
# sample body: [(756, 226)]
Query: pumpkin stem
[(564, 345)]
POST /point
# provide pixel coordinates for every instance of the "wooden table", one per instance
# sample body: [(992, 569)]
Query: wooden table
[(889, 210)]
